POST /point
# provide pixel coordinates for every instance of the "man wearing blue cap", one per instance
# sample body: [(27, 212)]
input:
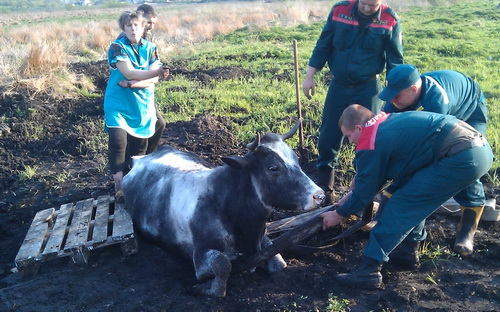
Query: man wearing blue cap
[(360, 39), (451, 93)]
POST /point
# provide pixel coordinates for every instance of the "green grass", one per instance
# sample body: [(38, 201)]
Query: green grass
[(432, 252), (455, 37), (337, 305), (28, 172)]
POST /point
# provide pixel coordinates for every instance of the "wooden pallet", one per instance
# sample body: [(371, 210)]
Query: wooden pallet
[(74, 230)]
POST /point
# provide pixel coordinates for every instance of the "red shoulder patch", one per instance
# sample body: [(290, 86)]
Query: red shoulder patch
[(387, 20), (342, 14), (368, 134)]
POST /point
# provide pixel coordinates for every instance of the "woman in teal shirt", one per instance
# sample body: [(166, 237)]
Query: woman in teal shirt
[(129, 109)]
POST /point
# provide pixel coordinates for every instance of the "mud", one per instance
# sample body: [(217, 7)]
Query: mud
[(53, 137)]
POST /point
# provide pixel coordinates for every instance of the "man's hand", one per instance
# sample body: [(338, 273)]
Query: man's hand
[(124, 83), (164, 72), (331, 219), (309, 88)]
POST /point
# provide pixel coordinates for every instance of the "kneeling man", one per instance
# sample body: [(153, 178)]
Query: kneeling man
[(431, 156)]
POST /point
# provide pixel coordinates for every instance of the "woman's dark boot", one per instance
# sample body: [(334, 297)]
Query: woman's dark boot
[(366, 276), (406, 256), (464, 242)]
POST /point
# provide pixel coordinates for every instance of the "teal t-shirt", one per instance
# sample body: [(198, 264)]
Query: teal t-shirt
[(128, 108)]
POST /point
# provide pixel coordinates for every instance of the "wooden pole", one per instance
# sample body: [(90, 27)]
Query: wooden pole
[(297, 92)]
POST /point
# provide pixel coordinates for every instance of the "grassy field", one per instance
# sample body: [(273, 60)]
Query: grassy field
[(458, 37), (256, 37)]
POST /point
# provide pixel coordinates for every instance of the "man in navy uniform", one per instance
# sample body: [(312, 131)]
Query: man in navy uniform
[(435, 156), (360, 39), (451, 93)]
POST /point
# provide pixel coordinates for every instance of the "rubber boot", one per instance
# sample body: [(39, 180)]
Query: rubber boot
[(366, 276), (406, 256), (325, 179), (464, 242)]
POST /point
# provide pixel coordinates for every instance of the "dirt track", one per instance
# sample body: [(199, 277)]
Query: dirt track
[(156, 280)]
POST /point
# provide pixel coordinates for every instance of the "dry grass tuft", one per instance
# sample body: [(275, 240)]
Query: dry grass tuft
[(56, 85), (53, 45), (44, 58)]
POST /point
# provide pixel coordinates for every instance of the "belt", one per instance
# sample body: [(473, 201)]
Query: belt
[(465, 145), (350, 85)]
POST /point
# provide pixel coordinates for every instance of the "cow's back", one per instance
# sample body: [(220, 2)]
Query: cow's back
[(159, 192)]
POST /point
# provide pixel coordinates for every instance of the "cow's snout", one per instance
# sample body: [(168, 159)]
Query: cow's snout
[(318, 198)]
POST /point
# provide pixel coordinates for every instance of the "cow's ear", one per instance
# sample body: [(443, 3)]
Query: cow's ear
[(235, 162)]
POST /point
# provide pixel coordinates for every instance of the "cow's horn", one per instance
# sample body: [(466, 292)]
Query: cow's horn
[(252, 146), (290, 133)]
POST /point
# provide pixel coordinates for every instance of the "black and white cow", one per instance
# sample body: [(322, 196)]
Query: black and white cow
[(214, 215)]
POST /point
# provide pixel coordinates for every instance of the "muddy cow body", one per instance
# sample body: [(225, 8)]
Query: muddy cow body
[(214, 215)]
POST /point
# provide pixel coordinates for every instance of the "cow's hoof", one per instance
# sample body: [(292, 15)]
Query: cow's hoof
[(276, 264), (207, 289)]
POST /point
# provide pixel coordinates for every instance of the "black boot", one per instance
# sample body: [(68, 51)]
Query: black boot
[(366, 276), (406, 256), (464, 242), (325, 179)]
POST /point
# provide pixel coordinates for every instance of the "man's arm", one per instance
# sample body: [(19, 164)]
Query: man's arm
[(320, 55), (370, 177), (138, 84), (394, 47)]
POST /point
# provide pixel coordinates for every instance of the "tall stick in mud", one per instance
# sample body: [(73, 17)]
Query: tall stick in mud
[(303, 153)]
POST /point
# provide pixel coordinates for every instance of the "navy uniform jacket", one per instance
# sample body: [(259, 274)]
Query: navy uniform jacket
[(394, 147), (446, 92), (356, 54)]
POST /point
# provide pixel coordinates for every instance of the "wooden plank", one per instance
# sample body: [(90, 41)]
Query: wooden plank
[(122, 223), (34, 242), (73, 227), (78, 231), (123, 230), (35, 237), (54, 244), (100, 234)]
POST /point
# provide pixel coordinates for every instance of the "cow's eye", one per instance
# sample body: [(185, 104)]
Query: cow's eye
[(274, 169)]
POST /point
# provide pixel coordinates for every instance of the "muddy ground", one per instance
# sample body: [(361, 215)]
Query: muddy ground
[(50, 134)]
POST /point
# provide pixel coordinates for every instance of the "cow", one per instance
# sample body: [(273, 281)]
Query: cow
[(215, 215)]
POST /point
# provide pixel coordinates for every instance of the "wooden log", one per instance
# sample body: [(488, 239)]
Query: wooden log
[(289, 223), (284, 241), (296, 235)]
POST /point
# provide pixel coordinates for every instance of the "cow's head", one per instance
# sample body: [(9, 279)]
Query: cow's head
[(276, 174)]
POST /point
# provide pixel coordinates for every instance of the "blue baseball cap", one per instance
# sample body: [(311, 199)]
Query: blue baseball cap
[(398, 79)]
